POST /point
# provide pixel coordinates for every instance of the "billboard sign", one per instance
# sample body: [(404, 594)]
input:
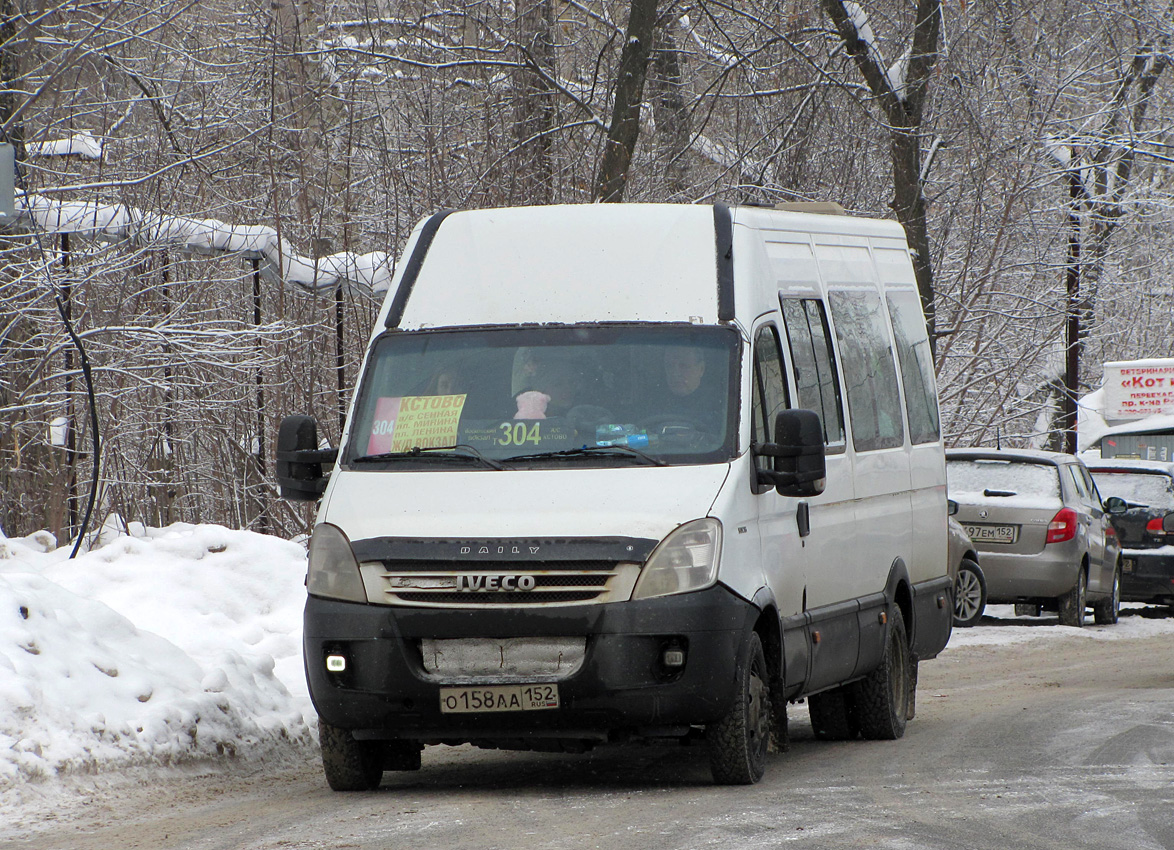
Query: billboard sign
[(1135, 389)]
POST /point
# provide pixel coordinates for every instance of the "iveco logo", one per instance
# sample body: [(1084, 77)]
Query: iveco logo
[(499, 550), (483, 584)]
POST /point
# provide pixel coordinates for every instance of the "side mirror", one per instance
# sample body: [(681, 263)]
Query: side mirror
[(951, 507), (299, 460), (798, 452), (1116, 505), (1168, 523)]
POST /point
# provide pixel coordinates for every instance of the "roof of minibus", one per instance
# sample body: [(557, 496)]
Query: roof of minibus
[(568, 264), (588, 263)]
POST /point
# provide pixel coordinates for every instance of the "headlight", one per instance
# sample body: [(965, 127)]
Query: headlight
[(334, 572), (685, 560)]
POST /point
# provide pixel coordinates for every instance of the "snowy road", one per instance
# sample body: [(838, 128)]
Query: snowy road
[(1026, 737)]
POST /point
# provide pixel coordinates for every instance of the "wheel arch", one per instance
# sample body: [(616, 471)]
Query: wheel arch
[(770, 631), (899, 592)]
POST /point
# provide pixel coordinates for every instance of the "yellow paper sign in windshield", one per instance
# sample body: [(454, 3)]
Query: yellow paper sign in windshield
[(427, 422)]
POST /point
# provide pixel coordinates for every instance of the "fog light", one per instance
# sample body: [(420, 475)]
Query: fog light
[(336, 663), (674, 658)]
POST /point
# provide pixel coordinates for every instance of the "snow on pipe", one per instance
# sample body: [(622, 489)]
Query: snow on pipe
[(369, 272)]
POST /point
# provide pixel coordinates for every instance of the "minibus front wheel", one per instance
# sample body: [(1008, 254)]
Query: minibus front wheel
[(738, 741), (349, 765)]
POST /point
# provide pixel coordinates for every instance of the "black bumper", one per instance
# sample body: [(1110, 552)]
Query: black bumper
[(621, 688), (1150, 578)]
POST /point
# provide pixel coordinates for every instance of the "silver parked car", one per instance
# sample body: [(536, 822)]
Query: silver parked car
[(969, 581), (1046, 539)]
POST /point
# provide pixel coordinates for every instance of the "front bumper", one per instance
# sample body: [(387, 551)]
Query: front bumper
[(621, 688), (1147, 576)]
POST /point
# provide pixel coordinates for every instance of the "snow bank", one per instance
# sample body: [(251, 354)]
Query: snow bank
[(1000, 627), (175, 645)]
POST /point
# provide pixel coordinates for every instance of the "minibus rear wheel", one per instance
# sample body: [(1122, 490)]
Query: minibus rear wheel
[(884, 696)]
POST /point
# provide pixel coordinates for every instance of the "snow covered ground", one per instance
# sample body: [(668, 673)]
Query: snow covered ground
[(183, 645), (164, 646)]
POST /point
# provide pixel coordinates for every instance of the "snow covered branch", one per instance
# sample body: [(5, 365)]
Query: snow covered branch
[(369, 272)]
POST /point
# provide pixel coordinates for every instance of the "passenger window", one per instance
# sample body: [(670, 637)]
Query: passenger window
[(870, 375), (814, 365), (1078, 482), (770, 392), (921, 400)]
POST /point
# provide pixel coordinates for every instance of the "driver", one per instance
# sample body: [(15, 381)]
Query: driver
[(684, 367), (689, 395)]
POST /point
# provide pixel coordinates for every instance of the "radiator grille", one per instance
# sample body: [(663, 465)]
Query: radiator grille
[(478, 584)]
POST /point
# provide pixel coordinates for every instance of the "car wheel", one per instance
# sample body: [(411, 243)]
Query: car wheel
[(349, 765), (1072, 603), (1028, 609), (738, 742), (969, 594), (833, 715), (1107, 611), (883, 697)]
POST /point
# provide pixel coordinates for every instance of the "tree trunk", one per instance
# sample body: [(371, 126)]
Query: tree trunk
[(11, 51), (625, 117), (534, 102), (909, 206), (903, 109), (673, 130)]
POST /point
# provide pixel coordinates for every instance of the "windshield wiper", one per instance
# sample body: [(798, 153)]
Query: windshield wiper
[(421, 452), (582, 451)]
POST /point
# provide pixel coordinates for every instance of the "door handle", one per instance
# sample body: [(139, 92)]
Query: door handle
[(803, 518)]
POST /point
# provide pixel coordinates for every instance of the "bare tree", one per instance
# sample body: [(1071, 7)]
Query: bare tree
[(624, 129), (900, 90), (1095, 153)]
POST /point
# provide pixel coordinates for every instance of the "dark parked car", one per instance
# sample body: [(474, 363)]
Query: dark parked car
[(1043, 533), (1147, 549)]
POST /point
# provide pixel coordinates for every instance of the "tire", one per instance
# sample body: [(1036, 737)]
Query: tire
[(969, 594), (833, 715), (1072, 603), (1107, 611), (349, 765), (883, 696), (738, 742), (1028, 609)]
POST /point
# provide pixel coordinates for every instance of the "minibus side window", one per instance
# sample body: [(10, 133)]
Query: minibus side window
[(770, 392), (870, 375), (921, 402), (814, 365)]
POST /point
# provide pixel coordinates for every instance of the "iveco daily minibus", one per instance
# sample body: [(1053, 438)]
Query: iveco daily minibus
[(617, 472)]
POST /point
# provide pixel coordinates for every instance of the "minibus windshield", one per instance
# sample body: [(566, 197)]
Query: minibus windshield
[(526, 397)]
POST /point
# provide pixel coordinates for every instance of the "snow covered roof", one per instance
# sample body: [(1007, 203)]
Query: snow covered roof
[(1023, 455), (369, 272)]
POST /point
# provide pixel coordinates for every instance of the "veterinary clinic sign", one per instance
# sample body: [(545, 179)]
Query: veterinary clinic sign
[(1135, 389)]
